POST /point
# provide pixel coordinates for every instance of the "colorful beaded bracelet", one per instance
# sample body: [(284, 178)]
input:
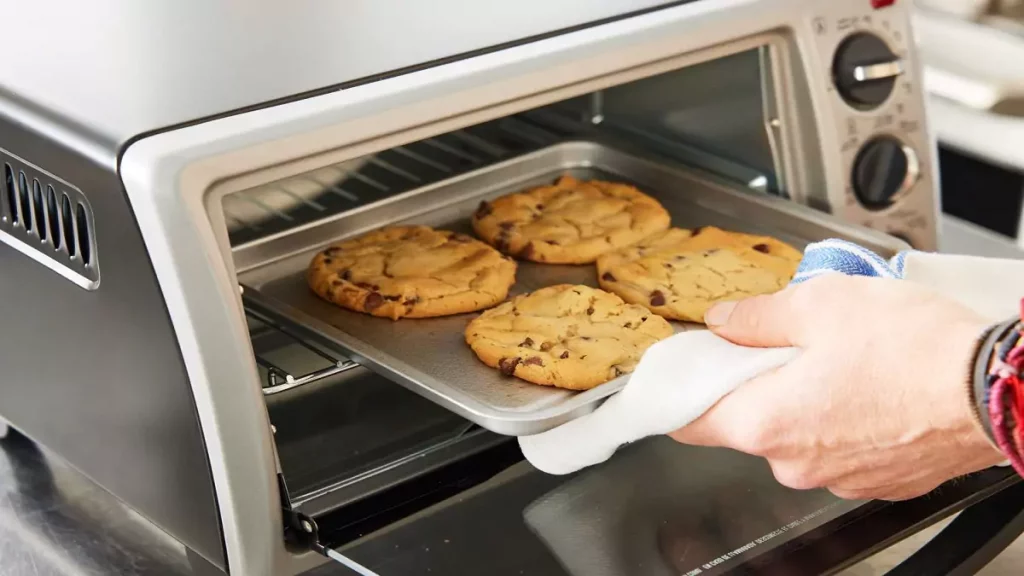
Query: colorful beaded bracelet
[(1003, 396)]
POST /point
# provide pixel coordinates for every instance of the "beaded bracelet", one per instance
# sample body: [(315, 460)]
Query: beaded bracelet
[(1004, 397)]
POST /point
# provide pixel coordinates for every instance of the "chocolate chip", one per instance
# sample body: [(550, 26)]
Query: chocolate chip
[(762, 248), (590, 311), (365, 285), (644, 319), (483, 210), (607, 277), (346, 275), (618, 371), (392, 298), (373, 301), (508, 366), (585, 338), (627, 325), (547, 346), (328, 261), (527, 252), (412, 301), (507, 225), (526, 343), (534, 361), (564, 355), (539, 207), (657, 298)]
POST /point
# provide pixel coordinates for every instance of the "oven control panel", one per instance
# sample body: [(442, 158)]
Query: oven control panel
[(875, 106)]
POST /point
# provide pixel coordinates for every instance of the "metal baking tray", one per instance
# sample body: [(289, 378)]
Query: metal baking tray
[(429, 356)]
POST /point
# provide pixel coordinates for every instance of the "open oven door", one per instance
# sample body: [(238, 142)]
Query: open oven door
[(659, 508)]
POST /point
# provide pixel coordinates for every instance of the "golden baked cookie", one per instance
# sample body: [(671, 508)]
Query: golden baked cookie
[(569, 222), (412, 272), (680, 274), (573, 337)]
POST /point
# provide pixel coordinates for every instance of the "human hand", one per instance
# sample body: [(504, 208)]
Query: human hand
[(876, 405)]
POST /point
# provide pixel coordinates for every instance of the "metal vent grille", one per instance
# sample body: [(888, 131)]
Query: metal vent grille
[(48, 220)]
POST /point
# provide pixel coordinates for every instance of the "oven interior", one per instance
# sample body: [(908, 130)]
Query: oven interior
[(354, 446)]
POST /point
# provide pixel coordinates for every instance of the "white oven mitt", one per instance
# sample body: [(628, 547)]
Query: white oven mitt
[(680, 378)]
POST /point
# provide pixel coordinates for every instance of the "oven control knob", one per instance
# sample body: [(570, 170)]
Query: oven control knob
[(884, 170), (865, 71)]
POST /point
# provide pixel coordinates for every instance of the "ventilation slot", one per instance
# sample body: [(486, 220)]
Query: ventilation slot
[(67, 223), (53, 217), (26, 215), (12, 194), (39, 213), (49, 220), (84, 238)]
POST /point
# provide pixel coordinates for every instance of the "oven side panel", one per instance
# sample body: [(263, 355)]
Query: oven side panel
[(96, 376)]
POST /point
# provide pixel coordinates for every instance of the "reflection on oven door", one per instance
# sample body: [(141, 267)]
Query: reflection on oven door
[(657, 508), (663, 509)]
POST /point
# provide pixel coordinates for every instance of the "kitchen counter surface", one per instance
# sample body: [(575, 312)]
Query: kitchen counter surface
[(55, 522)]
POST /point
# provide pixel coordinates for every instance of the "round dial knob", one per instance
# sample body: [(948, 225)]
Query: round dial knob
[(883, 170), (864, 70)]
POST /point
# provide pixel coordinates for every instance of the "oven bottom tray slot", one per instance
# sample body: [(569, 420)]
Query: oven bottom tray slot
[(430, 357)]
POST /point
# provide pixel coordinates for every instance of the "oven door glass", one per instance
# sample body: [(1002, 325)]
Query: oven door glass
[(659, 508)]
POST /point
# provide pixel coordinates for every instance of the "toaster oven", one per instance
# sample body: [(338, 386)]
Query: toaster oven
[(168, 174)]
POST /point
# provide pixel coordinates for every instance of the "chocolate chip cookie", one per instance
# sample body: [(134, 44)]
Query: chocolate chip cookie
[(573, 337), (569, 222), (680, 274), (412, 272)]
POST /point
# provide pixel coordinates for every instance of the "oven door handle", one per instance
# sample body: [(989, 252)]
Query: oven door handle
[(971, 541)]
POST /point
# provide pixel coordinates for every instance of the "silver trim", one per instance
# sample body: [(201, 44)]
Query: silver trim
[(774, 127), (349, 563), (913, 172), (879, 71)]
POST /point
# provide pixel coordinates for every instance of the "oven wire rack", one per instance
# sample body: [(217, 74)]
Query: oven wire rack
[(277, 378)]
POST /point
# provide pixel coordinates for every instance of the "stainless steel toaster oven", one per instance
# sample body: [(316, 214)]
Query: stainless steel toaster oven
[(169, 168)]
